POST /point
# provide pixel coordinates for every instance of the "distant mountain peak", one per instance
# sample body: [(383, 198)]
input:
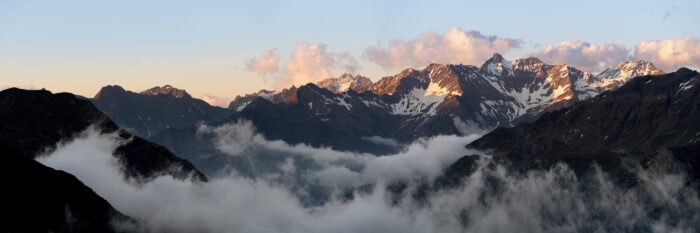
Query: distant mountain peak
[(628, 69), (264, 93), (346, 82), (109, 90), (530, 64), (496, 65), (167, 90), (497, 58), (639, 68)]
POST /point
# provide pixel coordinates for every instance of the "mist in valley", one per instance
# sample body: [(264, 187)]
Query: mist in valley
[(308, 189)]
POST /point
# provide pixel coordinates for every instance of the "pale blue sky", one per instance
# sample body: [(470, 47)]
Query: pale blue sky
[(203, 46)]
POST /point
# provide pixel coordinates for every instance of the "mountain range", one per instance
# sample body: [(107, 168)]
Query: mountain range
[(625, 120), (435, 100), (499, 92), (350, 113)]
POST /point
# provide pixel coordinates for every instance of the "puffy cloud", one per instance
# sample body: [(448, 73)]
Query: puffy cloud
[(216, 101), (309, 63), (454, 46), (585, 56), (266, 64), (670, 54)]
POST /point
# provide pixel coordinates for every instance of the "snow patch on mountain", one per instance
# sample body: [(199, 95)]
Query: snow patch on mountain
[(243, 106), (685, 86), (418, 101), (434, 88), (346, 82), (498, 68)]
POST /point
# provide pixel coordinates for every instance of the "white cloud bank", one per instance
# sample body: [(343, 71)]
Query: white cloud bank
[(423, 159), (489, 200)]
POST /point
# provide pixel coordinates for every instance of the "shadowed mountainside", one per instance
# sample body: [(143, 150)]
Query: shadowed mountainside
[(154, 110), (36, 198), (33, 122)]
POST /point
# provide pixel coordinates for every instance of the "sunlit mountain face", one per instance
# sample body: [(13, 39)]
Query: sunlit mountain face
[(180, 117)]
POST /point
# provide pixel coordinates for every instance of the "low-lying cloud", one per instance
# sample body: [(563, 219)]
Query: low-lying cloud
[(423, 159), (454, 46), (489, 200)]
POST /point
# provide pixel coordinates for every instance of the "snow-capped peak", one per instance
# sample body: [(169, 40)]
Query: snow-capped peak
[(638, 68), (628, 69), (496, 65), (612, 78), (346, 82)]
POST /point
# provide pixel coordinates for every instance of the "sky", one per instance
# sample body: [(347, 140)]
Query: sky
[(219, 49)]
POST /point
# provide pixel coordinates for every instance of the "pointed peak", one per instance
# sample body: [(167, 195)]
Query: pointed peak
[(497, 65), (497, 57)]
